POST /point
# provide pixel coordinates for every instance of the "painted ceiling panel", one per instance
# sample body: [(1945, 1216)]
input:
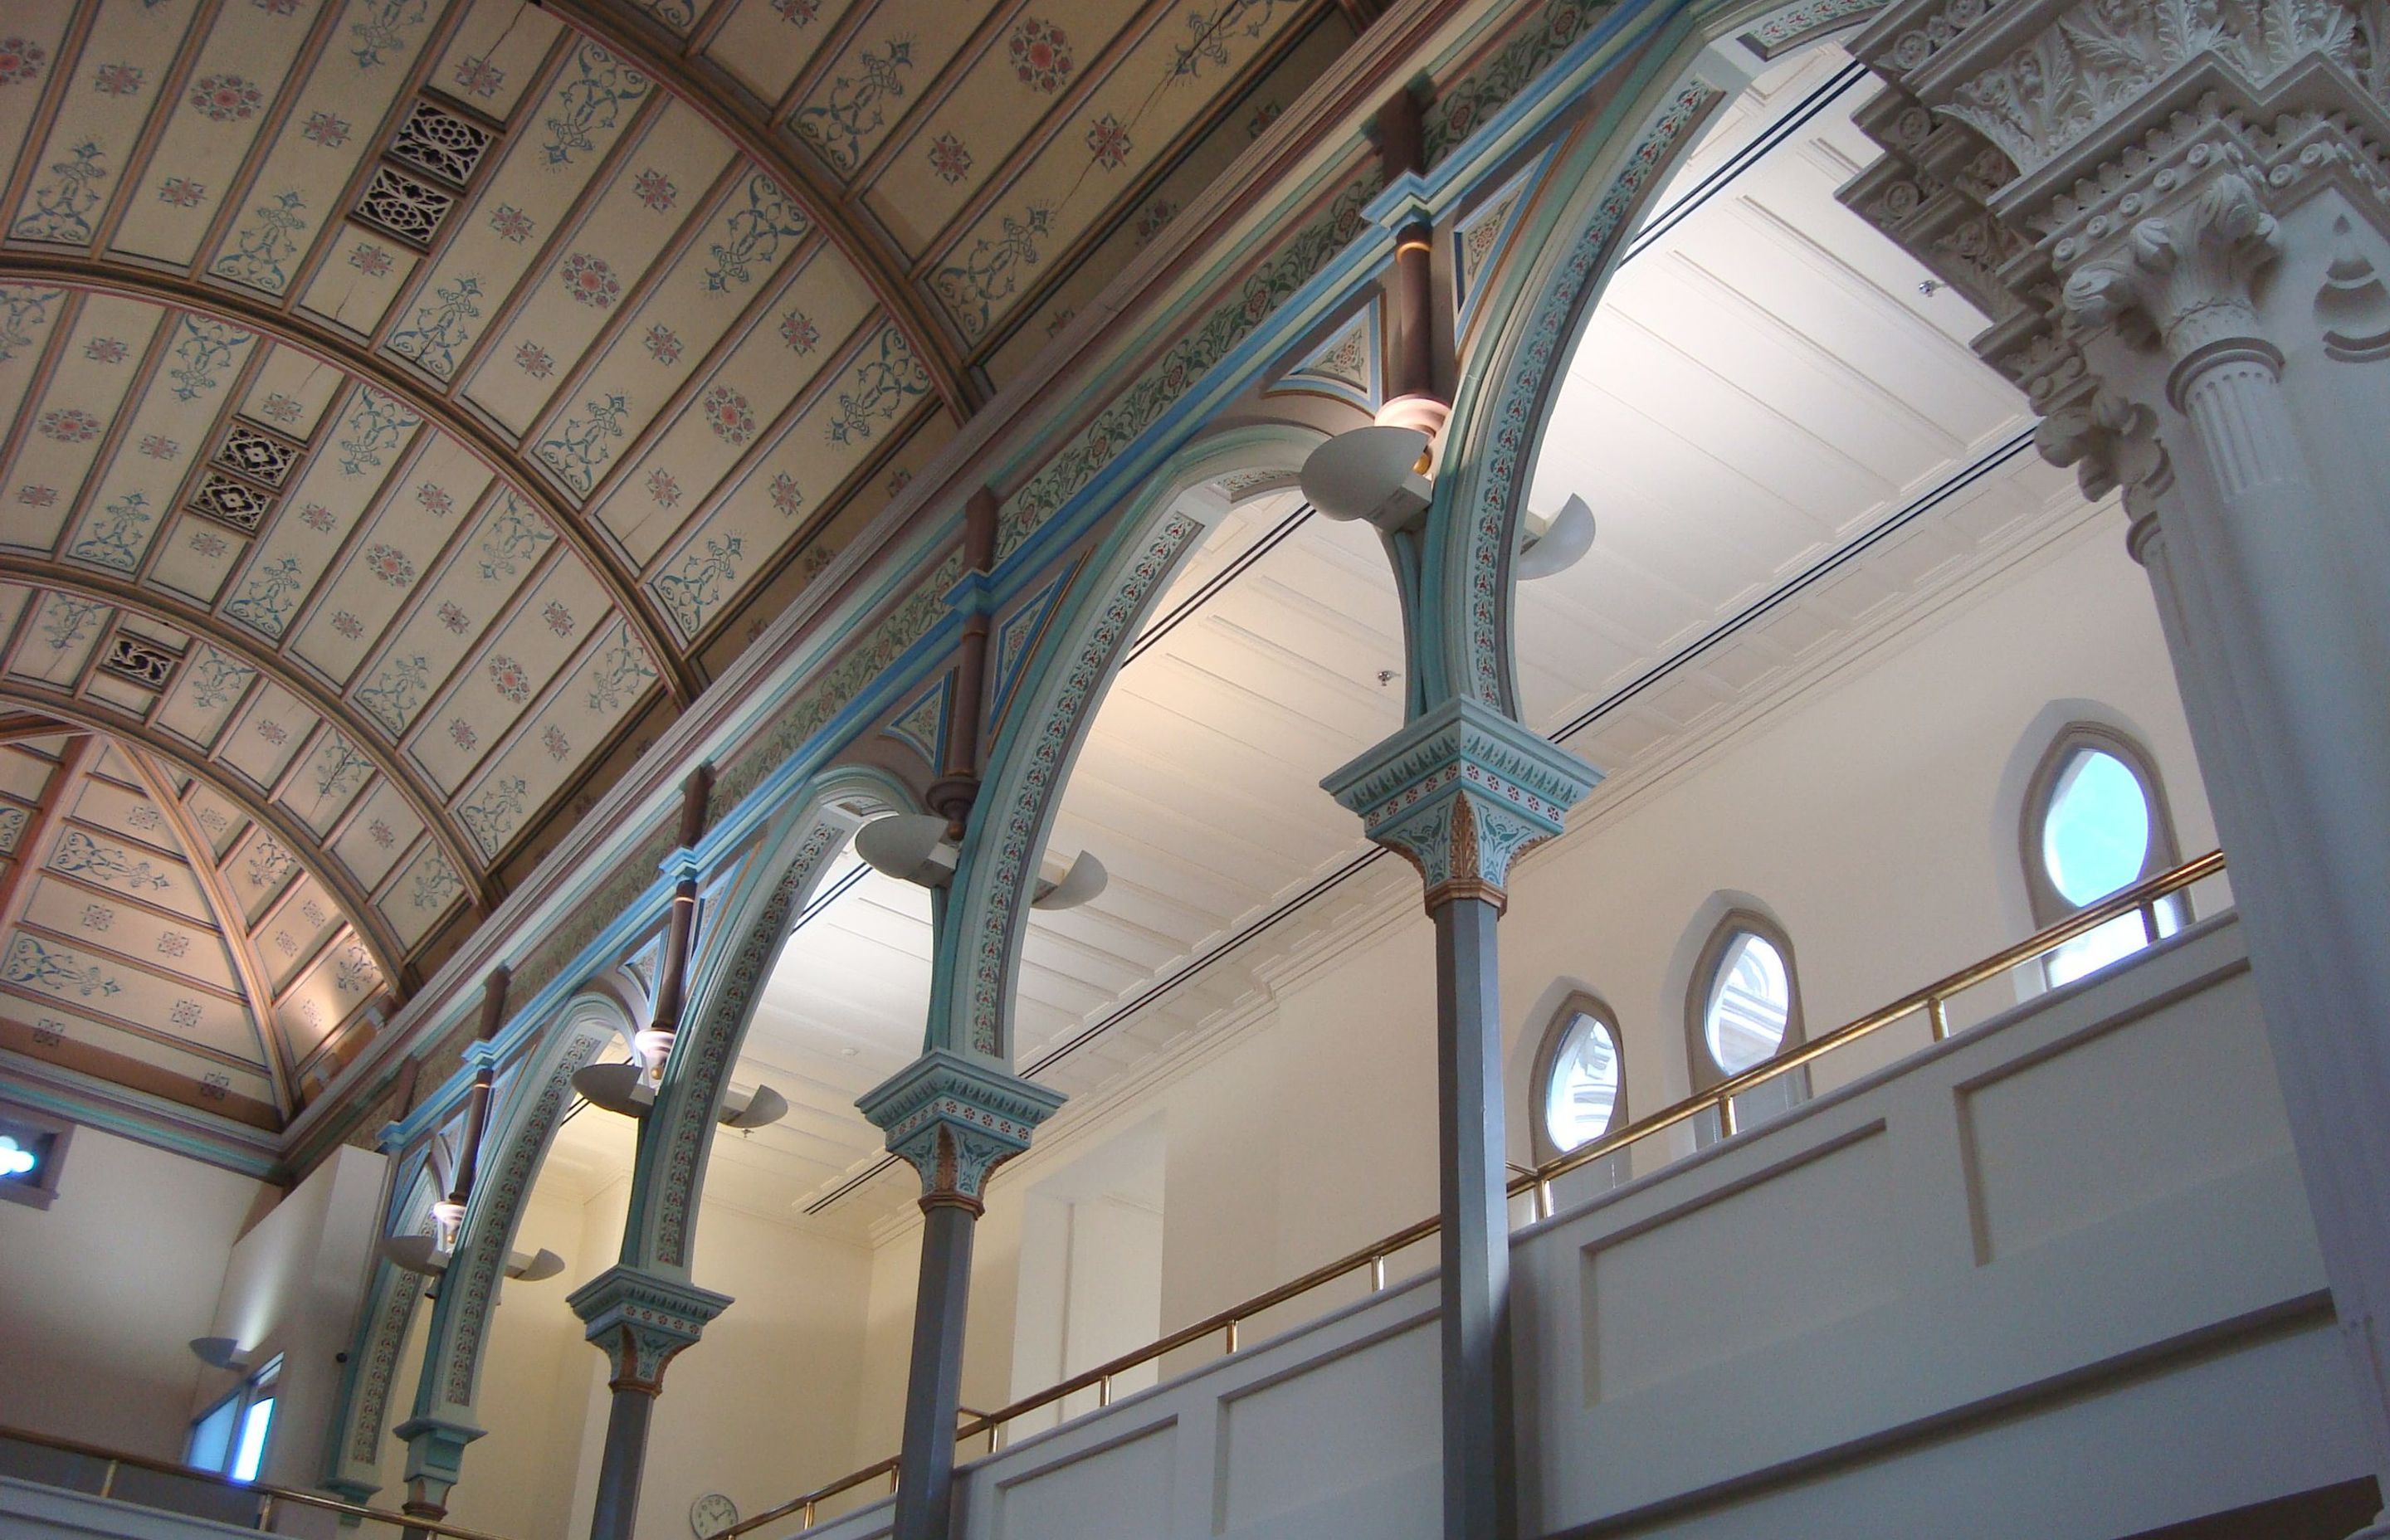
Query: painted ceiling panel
[(431, 398), (324, 141), (216, 117), (764, 42), (497, 56), (584, 276), (781, 353)]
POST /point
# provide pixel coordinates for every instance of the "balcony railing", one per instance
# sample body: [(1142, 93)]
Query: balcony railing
[(104, 1467), (1930, 1005)]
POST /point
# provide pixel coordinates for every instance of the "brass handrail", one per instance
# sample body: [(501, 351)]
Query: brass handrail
[(1933, 1000), (269, 1493)]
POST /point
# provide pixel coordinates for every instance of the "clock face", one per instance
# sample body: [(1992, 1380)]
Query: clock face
[(711, 1514)]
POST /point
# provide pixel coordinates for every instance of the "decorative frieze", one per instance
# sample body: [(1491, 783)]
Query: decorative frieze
[(955, 1120), (642, 1320), (1462, 793)]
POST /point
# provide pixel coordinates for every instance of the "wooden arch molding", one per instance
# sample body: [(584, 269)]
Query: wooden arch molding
[(96, 274), (729, 106)]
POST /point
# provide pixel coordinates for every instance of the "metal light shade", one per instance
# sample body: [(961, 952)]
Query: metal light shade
[(541, 1263), (416, 1254), (1369, 473), (220, 1353), (911, 847), (759, 1106), (1559, 544), (616, 1087), (1082, 881)]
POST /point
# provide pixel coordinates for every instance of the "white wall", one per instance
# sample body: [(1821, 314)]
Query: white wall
[(107, 1287), (1874, 814), (1921, 1305), (290, 1290)]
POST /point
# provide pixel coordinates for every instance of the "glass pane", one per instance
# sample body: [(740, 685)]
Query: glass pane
[(2095, 836), (2121, 937), (1750, 1004), (212, 1435), (253, 1426), (17, 1162), (1582, 1099)]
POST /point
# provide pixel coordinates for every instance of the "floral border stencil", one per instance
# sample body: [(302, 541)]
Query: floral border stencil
[(1460, 106), (1135, 409), (907, 623), (1041, 774), (1518, 411), (718, 1038), (1778, 33)]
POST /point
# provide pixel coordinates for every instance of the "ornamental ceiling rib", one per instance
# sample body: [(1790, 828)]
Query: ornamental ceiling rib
[(88, 717), (104, 275), (195, 622), (139, 910), (677, 65)]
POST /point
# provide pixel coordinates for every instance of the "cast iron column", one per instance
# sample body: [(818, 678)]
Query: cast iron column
[(1460, 792)]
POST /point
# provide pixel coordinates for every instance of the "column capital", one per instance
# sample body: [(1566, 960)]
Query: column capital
[(2115, 185), (642, 1320), (435, 1459), (1460, 792), (955, 1118)]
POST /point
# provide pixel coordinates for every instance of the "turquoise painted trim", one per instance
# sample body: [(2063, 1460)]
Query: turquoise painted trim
[(164, 1128), (1338, 282), (1526, 184)]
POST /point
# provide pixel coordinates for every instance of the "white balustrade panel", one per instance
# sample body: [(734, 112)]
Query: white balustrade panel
[(2054, 1278)]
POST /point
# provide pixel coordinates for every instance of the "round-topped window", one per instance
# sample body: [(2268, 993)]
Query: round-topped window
[(1581, 1092), (1750, 1004)]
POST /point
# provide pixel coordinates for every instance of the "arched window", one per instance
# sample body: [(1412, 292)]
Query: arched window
[(1744, 1009), (1580, 1089), (2096, 821)]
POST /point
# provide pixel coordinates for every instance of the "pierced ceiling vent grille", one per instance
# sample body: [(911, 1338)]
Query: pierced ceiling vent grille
[(144, 662), (425, 168), (261, 457), (439, 143), (230, 502)]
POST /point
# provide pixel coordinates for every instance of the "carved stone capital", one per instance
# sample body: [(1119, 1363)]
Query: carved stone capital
[(2182, 280), (1460, 794), (956, 1120), (642, 1320), (2105, 178)]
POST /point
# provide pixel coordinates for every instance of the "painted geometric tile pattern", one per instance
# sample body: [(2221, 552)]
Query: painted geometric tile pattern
[(153, 936)]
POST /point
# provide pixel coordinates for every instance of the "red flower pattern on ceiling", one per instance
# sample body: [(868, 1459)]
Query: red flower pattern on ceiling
[(728, 414), (389, 564), (117, 80), (70, 425), (104, 350), (227, 98), (654, 191), (787, 497), (1041, 55), (589, 280), (948, 158), (20, 60), (508, 678), (1108, 141), (370, 260), (663, 489), (532, 360), (798, 330)]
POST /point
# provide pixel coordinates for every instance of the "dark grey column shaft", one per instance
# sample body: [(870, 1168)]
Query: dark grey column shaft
[(1480, 1471), (933, 1393), (617, 1474)]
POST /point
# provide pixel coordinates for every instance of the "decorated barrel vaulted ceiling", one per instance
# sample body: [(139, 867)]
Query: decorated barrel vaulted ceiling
[(411, 405)]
